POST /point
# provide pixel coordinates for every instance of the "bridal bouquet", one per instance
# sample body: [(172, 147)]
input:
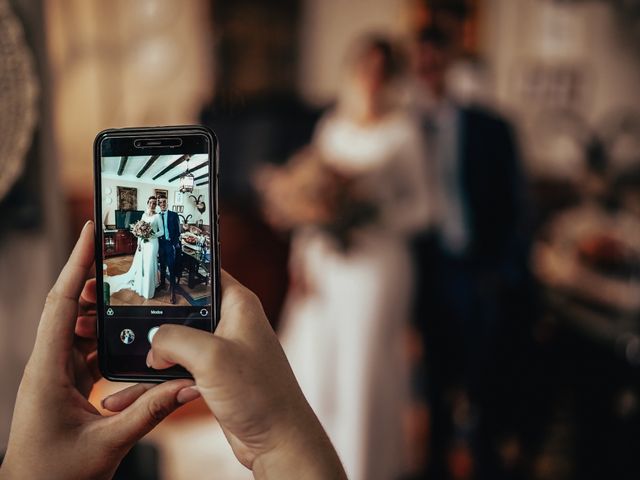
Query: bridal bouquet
[(142, 230), (307, 191)]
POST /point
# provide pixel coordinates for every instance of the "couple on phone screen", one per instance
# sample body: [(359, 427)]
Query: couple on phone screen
[(160, 248)]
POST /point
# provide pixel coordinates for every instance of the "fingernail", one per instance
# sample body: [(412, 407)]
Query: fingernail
[(104, 400), (88, 222), (188, 394), (149, 359)]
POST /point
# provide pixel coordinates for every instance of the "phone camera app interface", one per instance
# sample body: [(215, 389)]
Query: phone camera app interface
[(157, 243)]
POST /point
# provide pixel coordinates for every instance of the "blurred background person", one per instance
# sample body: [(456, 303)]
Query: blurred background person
[(472, 264), (354, 199)]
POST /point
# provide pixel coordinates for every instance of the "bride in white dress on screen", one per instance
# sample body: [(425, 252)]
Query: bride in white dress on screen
[(142, 276)]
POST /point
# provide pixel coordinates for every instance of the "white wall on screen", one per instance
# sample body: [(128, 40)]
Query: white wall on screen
[(145, 190)]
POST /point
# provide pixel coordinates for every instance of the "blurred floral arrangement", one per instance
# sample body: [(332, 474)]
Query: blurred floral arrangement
[(308, 192), (592, 254), (609, 255)]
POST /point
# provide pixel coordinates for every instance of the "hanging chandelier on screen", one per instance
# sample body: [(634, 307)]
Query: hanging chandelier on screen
[(187, 180)]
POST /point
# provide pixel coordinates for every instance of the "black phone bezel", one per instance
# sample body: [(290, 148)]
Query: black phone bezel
[(131, 134)]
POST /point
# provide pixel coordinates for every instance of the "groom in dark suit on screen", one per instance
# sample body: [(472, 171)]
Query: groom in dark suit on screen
[(169, 246)]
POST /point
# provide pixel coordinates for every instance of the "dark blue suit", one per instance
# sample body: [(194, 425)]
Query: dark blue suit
[(169, 247), (468, 303)]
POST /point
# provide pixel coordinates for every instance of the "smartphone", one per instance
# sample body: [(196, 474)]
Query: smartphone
[(157, 247)]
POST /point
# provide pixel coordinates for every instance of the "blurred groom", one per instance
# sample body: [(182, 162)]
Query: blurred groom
[(169, 246), (473, 300)]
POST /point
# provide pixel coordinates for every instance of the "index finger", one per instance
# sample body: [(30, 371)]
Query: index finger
[(57, 324), (88, 299), (86, 322)]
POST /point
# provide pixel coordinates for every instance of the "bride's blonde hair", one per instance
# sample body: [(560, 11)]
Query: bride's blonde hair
[(350, 101)]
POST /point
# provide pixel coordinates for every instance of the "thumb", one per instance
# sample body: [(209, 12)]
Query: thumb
[(134, 422)]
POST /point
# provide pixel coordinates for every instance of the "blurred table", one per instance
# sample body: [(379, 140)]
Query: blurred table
[(616, 331), (587, 259)]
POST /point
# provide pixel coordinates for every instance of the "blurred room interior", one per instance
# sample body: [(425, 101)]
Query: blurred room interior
[(565, 73)]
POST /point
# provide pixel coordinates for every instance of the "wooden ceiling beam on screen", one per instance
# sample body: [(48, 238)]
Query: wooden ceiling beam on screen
[(171, 166), (191, 170), (202, 183), (123, 164), (150, 162), (201, 177)]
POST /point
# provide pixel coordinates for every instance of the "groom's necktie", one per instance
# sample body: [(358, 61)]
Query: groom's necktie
[(164, 227)]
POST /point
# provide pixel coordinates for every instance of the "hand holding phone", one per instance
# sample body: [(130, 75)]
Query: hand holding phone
[(156, 242), (55, 431), (245, 379)]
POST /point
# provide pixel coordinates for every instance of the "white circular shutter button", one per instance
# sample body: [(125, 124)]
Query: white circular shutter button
[(152, 332)]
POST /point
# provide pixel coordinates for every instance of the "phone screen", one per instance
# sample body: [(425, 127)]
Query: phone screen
[(156, 220)]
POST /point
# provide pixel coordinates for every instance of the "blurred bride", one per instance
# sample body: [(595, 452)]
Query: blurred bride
[(142, 276), (353, 199)]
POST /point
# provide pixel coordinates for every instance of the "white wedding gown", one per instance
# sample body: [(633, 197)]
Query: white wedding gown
[(344, 338), (142, 276)]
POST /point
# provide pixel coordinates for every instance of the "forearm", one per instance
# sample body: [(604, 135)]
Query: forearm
[(306, 454)]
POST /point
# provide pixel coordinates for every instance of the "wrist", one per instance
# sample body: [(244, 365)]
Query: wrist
[(5, 473), (301, 451), (10, 470), (34, 463)]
